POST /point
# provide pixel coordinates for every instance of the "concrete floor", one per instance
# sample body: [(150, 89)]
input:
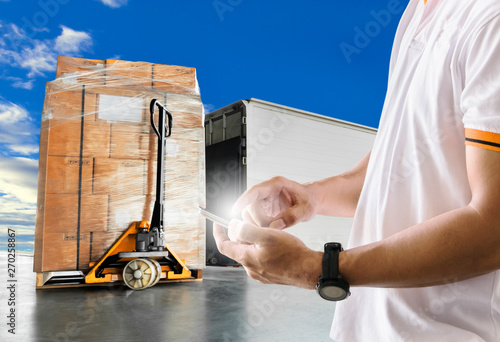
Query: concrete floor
[(226, 306)]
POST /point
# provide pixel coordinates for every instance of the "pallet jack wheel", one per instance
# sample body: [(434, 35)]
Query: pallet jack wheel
[(158, 272), (139, 274)]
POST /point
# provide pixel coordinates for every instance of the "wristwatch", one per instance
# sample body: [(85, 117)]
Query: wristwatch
[(330, 285)]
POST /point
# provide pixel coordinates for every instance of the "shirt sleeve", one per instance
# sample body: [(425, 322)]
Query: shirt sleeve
[(480, 99)]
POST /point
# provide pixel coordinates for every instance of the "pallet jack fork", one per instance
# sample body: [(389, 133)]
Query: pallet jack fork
[(141, 256)]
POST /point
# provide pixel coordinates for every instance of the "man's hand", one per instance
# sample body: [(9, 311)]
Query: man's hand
[(270, 255), (277, 203), (281, 203)]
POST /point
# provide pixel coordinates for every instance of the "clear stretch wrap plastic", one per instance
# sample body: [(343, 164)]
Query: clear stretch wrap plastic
[(97, 164)]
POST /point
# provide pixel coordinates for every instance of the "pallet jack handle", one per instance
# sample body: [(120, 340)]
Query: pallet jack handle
[(165, 130)]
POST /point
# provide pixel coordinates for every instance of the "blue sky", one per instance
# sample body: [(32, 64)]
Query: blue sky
[(327, 57)]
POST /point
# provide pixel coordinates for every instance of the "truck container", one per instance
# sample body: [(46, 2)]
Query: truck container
[(250, 141)]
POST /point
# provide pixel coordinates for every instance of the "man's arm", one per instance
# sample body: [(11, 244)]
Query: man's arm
[(456, 245), (281, 203), (339, 195)]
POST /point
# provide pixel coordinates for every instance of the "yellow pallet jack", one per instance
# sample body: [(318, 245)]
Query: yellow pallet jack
[(140, 257)]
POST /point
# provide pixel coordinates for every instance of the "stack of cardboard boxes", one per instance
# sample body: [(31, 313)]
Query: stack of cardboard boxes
[(97, 164)]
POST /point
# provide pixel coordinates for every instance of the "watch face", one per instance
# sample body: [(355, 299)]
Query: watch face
[(333, 293)]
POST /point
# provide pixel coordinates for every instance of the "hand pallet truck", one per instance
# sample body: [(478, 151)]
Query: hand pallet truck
[(141, 256)]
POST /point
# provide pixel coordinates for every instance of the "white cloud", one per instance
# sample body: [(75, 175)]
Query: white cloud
[(18, 215), (207, 108), (38, 56), (12, 207), (38, 59), (10, 113), (71, 41), (25, 150), (16, 127), (18, 179), (114, 3), (20, 83), (18, 174)]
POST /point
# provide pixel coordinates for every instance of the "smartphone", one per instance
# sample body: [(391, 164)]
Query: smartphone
[(214, 218)]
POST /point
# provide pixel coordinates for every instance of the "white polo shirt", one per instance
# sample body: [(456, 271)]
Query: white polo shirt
[(443, 93)]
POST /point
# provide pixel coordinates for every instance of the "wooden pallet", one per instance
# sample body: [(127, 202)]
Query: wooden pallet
[(196, 276)]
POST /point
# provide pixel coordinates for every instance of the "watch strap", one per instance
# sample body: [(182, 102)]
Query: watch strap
[(331, 260)]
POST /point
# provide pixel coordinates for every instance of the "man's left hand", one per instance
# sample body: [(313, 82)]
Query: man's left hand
[(269, 255)]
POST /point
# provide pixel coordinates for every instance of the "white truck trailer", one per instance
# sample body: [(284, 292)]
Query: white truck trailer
[(250, 141)]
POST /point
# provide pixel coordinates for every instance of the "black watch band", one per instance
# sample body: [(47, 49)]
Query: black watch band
[(330, 285)]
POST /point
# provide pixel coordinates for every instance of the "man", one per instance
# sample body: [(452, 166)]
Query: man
[(424, 252)]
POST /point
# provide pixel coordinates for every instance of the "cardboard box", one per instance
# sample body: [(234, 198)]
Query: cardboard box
[(66, 213), (135, 73), (42, 186), (58, 244), (67, 243), (97, 165), (64, 137), (69, 175), (59, 251), (96, 139), (174, 79), (119, 177), (133, 145), (91, 105), (99, 243), (125, 209), (66, 104), (79, 70), (71, 115)]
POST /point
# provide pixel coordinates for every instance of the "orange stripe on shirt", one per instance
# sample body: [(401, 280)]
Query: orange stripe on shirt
[(483, 139)]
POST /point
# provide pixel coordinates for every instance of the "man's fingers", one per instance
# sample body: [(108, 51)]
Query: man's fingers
[(232, 232), (255, 193), (249, 233), (289, 217), (233, 250), (219, 234), (259, 212), (247, 217), (278, 224)]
